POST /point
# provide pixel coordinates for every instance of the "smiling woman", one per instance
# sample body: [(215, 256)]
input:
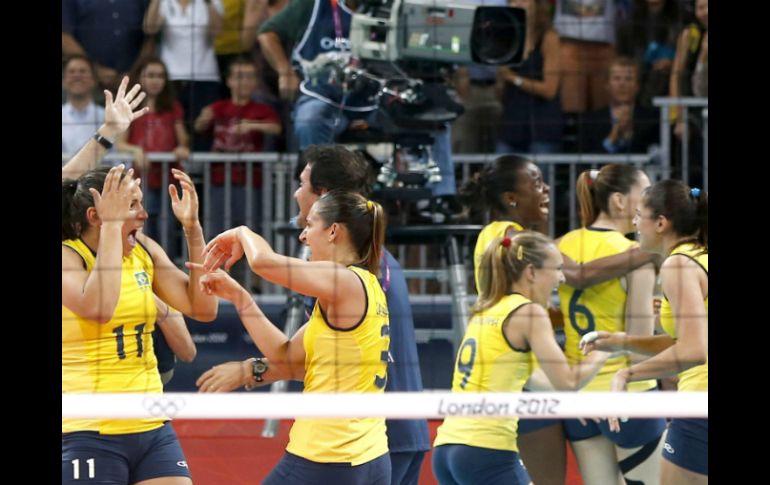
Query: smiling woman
[(508, 329), (608, 199), (110, 276), (342, 348)]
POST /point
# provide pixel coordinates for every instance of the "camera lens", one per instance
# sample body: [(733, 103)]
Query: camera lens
[(498, 35)]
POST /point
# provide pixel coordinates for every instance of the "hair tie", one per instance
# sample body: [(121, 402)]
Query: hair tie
[(506, 242), (592, 176), (520, 253), (695, 192), (369, 205)]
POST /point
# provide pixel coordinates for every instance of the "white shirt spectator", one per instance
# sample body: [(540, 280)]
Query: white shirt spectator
[(185, 47), (78, 126)]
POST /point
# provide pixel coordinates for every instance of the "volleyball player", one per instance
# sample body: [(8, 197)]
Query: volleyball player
[(672, 220), (508, 329), (342, 348), (608, 200), (110, 273)]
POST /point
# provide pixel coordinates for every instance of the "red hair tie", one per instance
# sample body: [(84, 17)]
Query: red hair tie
[(506, 242)]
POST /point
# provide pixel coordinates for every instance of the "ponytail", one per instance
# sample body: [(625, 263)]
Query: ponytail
[(365, 222), (504, 263), (588, 211), (372, 257), (595, 187), (76, 199)]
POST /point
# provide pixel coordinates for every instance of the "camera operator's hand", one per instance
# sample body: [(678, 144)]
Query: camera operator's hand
[(288, 85)]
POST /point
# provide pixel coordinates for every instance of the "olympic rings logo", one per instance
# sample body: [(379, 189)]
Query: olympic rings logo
[(163, 406)]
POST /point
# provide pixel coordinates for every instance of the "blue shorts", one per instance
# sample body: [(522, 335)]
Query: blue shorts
[(530, 425), (687, 444), (295, 470), (633, 433), (119, 459), (463, 464), (405, 467)]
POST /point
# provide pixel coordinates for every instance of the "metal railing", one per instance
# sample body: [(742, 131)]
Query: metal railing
[(666, 145), (278, 186)]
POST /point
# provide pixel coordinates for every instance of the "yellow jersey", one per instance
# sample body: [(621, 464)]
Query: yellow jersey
[(116, 356), (349, 360), (600, 307), (487, 362), (491, 231), (695, 378)]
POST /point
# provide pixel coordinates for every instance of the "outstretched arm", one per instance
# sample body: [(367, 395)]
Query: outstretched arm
[(584, 275), (118, 115), (229, 376), (325, 280), (531, 321), (681, 281), (269, 339), (619, 341)]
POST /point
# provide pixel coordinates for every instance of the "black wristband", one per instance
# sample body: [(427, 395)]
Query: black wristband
[(102, 141)]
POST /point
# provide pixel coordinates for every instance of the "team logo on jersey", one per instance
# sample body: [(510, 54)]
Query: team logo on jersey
[(668, 448), (142, 279), (182, 463)]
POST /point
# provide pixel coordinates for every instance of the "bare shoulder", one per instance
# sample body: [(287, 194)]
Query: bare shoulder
[(530, 313), (71, 260)]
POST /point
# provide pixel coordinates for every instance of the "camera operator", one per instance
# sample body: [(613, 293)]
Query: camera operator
[(323, 110)]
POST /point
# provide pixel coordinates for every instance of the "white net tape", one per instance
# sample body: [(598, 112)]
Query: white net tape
[(394, 405)]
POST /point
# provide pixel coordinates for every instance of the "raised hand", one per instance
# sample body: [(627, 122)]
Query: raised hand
[(221, 284), (224, 249), (120, 111), (113, 204), (185, 208)]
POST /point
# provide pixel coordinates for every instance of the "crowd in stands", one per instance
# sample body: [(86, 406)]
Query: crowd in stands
[(223, 76)]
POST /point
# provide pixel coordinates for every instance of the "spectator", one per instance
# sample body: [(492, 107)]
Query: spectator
[(160, 130), (649, 38), (690, 69), (587, 30), (110, 33), (80, 116), (625, 126), (531, 121), (188, 29), (238, 125), (475, 131)]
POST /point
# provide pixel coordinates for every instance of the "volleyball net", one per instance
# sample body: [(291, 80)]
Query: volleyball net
[(396, 405)]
